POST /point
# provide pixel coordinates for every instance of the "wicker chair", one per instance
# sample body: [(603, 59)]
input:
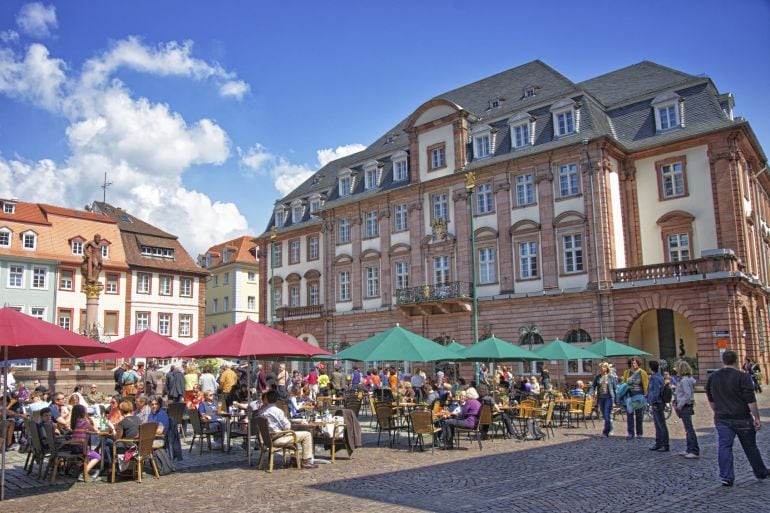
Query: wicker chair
[(485, 419), (388, 421), (422, 424), (201, 428), (176, 412), (268, 448), (144, 450)]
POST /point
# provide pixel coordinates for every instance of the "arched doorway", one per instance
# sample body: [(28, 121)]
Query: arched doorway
[(747, 334), (663, 333)]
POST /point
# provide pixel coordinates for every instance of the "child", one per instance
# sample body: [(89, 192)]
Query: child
[(81, 428)]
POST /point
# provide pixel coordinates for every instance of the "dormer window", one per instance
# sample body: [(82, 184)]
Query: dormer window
[(77, 246), (436, 156), (669, 111), (5, 237), (400, 167), (495, 103), (483, 142), (371, 176), (522, 130), (9, 208), (345, 182), (279, 217), (315, 204), (296, 212), (29, 240), (105, 250), (565, 118), (530, 91)]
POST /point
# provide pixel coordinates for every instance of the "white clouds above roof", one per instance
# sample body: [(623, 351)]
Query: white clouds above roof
[(36, 19)]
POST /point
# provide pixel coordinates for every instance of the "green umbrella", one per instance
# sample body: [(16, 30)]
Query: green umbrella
[(397, 344), (560, 350), (494, 349), (608, 348), (455, 346)]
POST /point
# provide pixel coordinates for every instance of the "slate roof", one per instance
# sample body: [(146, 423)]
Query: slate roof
[(616, 105)]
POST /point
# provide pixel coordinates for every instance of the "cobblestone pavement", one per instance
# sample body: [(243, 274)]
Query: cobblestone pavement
[(576, 471)]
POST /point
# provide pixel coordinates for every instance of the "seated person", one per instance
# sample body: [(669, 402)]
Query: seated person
[(406, 390), (95, 398), (238, 396), (194, 397), (56, 412), (431, 396), (126, 429), (78, 392), (486, 398), (114, 416), (35, 403), (82, 427), (208, 411), (45, 418), (296, 403), (466, 417), (37, 387), (445, 395), (534, 386), (142, 408), (277, 421), (15, 415), (66, 411), (159, 415), (579, 390)]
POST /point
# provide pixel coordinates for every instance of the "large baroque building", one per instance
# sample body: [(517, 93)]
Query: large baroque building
[(233, 287), (633, 205)]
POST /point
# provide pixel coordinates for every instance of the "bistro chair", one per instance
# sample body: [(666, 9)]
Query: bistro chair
[(201, 428), (545, 420), (485, 419), (176, 412), (388, 421), (268, 448), (353, 403), (65, 454), (422, 424), (147, 433), (37, 453), (238, 429)]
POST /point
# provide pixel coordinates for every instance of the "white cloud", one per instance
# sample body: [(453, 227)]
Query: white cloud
[(286, 175), (143, 146), (36, 19), (234, 88), (9, 36)]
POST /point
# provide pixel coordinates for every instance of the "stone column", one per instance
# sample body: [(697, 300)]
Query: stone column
[(92, 291)]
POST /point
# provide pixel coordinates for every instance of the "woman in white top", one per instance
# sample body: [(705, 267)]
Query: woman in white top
[(535, 386), (684, 407)]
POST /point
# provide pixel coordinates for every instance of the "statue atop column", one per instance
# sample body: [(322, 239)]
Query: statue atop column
[(92, 260)]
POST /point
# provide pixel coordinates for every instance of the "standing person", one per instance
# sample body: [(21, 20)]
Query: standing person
[(657, 405), (207, 381), (752, 369), (129, 379), (190, 381), (261, 380), (312, 380), (417, 380), (604, 387), (355, 379), (282, 379), (685, 407), (731, 396), (150, 382), (637, 380), (338, 381), (545, 377), (228, 379), (174, 387), (117, 375)]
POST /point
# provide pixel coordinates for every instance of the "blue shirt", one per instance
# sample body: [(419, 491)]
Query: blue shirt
[(655, 389), (356, 378), (161, 418)]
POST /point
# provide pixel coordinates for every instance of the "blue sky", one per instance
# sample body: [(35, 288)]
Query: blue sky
[(204, 113)]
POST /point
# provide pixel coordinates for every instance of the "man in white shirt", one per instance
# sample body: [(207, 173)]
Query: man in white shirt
[(277, 421), (417, 382)]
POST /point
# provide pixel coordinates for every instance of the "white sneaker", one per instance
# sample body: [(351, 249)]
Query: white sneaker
[(81, 478), (94, 475), (691, 456), (683, 453)]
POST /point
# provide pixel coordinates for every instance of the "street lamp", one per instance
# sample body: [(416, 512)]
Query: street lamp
[(529, 332), (273, 235), (470, 186)]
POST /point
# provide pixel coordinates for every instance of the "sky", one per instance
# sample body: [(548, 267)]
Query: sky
[(203, 114)]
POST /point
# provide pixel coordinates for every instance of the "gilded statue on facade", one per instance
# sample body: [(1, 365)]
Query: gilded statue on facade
[(92, 259)]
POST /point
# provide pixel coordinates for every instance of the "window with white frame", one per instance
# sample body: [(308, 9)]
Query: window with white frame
[(313, 247), (370, 178), (678, 247), (38, 312), (400, 170), (5, 238), (296, 213), (440, 271), (279, 217), (440, 208), (400, 217), (39, 278), (165, 287), (344, 285), (143, 283), (294, 295), (105, 250), (185, 325), (216, 280), (294, 251), (251, 303), (668, 117), (565, 122), (401, 269), (277, 299), (528, 259), (573, 253), (278, 253), (9, 208), (67, 279), (520, 135), (214, 305), (525, 189), (345, 185), (112, 283), (226, 304), (15, 276), (344, 230), (164, 324), (65, 319), (373, 281), (251, 277), (672, 180), (315, 206), (185, 287), (142, 321), (487, 272), (667, 111), (313, 293), (29, 240), (110, 323), (484, 203), (568, 180), (437, 156), (372, 227), (77, 247), (482, 145)]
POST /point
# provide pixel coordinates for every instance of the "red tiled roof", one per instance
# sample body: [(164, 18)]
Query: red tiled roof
[(26, 213), (79, 214), (242, 248)]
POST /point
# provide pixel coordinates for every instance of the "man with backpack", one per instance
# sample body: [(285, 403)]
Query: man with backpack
[(656, 397)]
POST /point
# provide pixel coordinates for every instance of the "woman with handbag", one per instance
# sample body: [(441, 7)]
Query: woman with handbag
[(684, 407), (637, 380), (604, 388)]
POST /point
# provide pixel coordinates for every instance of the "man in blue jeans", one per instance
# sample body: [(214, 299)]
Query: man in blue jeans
[(655, 400), (731, 396)]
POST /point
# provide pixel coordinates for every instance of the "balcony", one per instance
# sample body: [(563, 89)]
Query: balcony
[(435, 299), (710, 267), (289, 312)]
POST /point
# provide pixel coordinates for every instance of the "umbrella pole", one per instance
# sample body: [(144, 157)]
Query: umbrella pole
[(5, 407), (248, 414)]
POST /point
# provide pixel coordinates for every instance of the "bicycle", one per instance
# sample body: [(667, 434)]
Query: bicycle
[(667, 409)]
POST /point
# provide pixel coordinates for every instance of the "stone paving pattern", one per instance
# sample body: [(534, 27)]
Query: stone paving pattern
[(576, 471)]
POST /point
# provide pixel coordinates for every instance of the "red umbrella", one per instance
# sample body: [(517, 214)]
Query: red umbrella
[(22, 336), (250, 339), (145, 344)]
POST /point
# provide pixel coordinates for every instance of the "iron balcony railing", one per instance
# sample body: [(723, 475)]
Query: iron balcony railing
[(434, 293), (695, 267), (286, 312)]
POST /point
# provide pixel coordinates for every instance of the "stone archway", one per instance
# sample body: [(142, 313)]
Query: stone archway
[(309, 338), (664, 333)]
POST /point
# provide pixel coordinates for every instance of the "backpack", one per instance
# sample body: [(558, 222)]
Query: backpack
[(621, 391), (164, 461), (667, 394)]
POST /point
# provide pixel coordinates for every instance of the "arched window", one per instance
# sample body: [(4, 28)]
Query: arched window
[(525, 339), (577, 336)]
